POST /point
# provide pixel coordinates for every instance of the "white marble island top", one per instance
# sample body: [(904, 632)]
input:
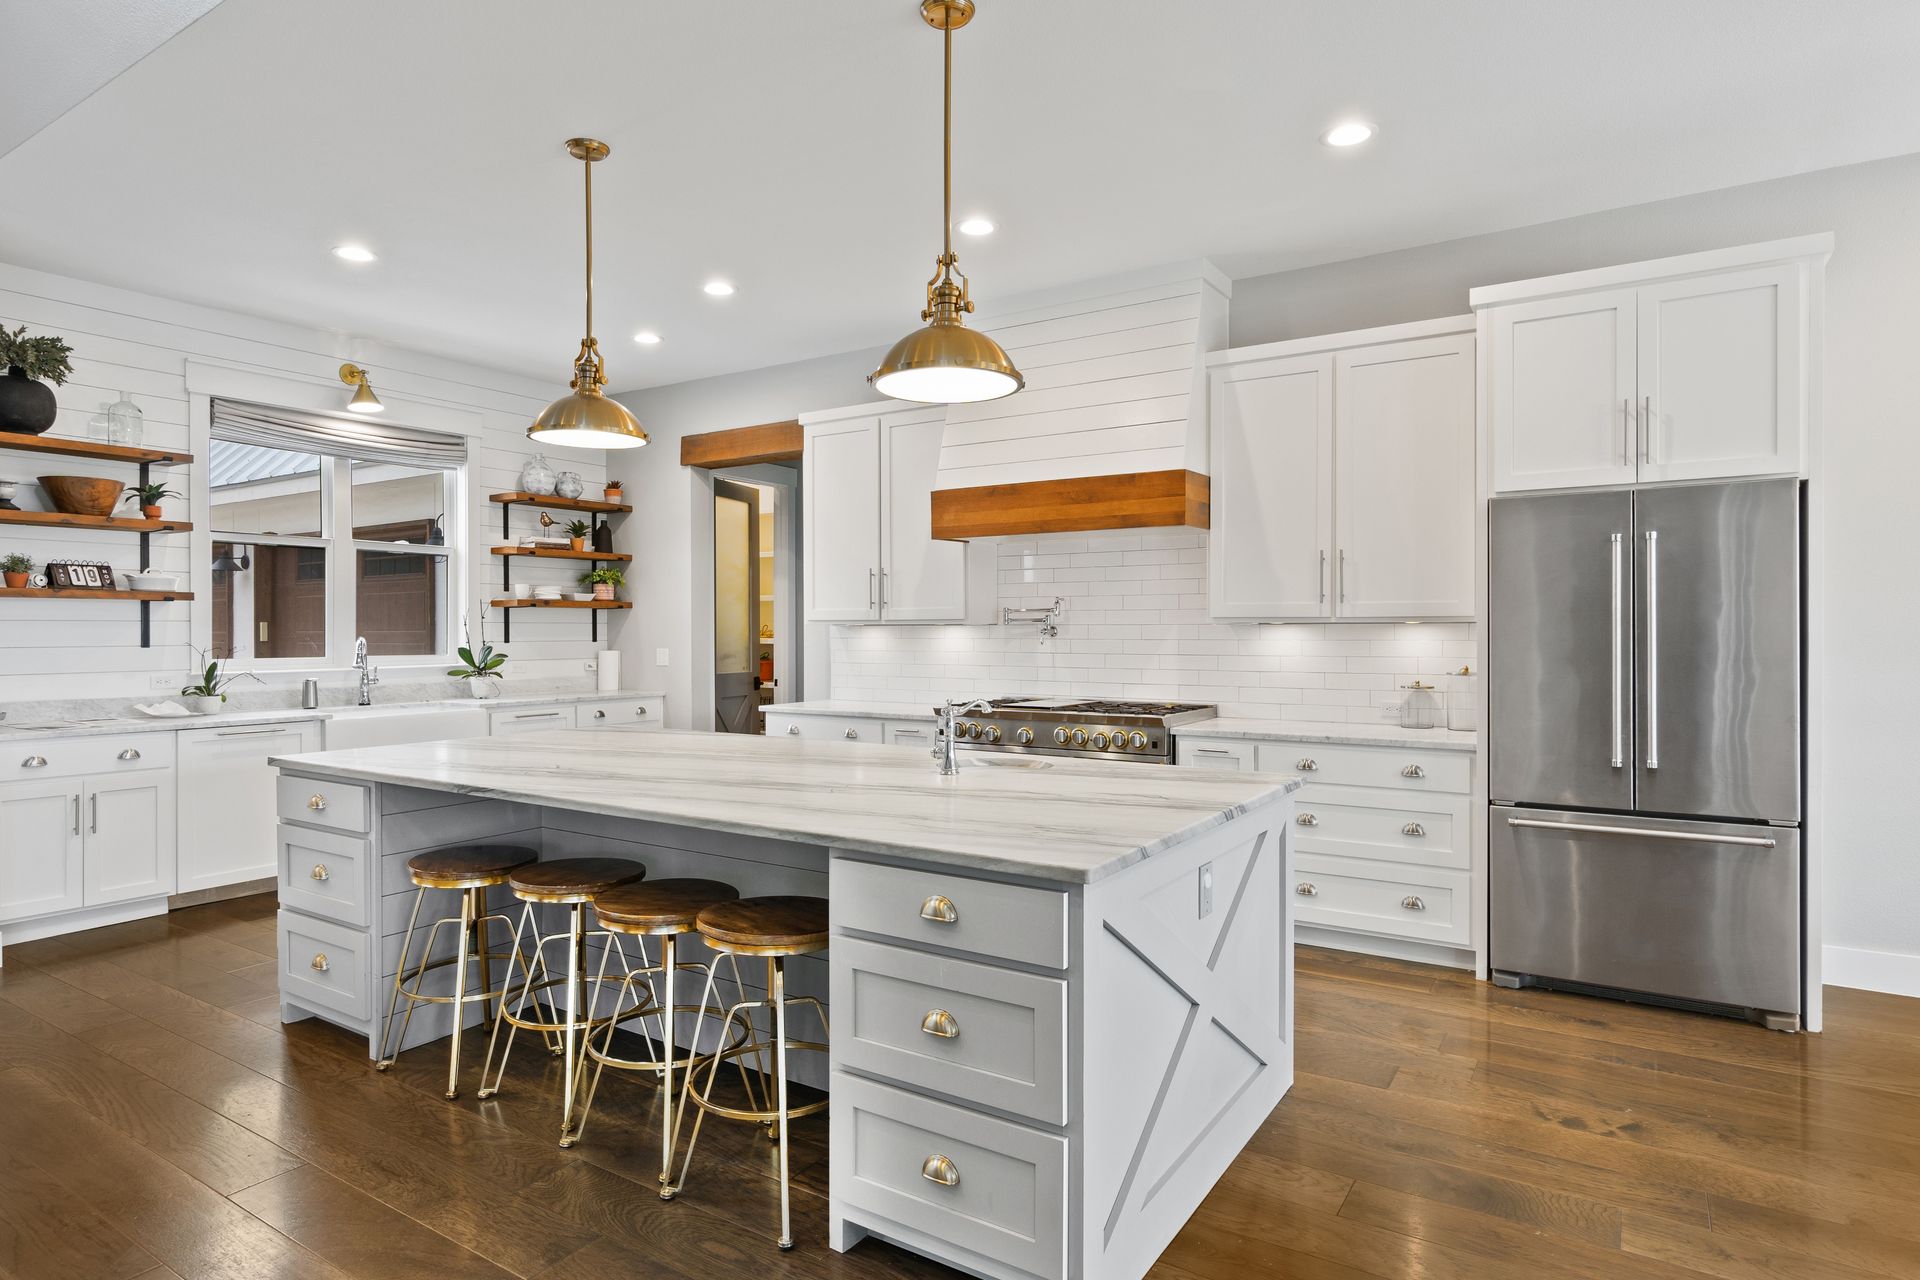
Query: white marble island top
[(1066, 821)]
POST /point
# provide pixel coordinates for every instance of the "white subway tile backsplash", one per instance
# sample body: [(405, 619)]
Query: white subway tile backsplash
[(1134, 625)]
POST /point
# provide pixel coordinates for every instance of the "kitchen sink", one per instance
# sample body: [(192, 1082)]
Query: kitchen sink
[(1008, 762)]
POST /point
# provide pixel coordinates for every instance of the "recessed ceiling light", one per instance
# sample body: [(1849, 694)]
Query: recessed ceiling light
[(1350, 134), (977, 227), (718, 288), (647, 338), (354, 253)]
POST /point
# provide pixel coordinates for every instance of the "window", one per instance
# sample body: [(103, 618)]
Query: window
[(342, 537)]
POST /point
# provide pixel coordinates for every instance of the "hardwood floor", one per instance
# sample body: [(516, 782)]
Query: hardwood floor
[(156, 1120)]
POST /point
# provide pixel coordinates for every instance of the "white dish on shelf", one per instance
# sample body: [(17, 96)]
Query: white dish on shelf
[(152, 582), (582, 595)]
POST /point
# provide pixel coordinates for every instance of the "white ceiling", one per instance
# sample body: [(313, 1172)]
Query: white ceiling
[(793, 149)]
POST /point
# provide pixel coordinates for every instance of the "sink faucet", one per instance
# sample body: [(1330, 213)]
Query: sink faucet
[(369, 676), (943, 750)]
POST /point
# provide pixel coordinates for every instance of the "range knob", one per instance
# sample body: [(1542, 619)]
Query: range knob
[(993, 733), (1119, 740), (972, 730), (1060, 735), (1024, 736), (1099, 742), (1079, 737), (1137, 740)]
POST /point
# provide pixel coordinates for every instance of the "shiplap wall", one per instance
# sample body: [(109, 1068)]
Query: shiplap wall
[(1113, 385), (140, 344)]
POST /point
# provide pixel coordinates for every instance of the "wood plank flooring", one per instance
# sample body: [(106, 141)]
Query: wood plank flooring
[(156, 1120)]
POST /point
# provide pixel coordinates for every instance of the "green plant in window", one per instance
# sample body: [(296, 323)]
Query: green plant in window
[(215, 680), (478, 662)]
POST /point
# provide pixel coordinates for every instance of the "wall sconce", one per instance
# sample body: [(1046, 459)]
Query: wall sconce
[(364, 401), (227, 563)]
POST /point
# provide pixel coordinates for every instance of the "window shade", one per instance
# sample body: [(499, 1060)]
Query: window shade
[(299, 431)]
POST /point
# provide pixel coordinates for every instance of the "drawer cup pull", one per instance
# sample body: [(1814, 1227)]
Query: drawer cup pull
[(853, 733), (1306, 764), (129, 754), (939, 1022), (1306, 889), (34, 762), (793, 730), (316, 802), (639, 711), (321, 964), (941, 1170), (1307, 820), (320, 871), (940, 909), (1412, 903), (1413, 829), (599, 715), (1413, 771)]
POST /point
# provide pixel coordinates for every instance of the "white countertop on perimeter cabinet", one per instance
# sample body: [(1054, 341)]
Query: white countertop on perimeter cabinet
[(855, 710), (1066, 821), (1363, 735)]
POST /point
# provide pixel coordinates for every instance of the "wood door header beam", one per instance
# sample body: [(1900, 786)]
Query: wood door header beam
[(743, 446), (1141, 500)]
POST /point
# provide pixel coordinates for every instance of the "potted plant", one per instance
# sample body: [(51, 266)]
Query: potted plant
[(613, 491), (603, 582), (210, 692), (577, 531), (15, 567), (149, 496), (27, 404), (478, 665)]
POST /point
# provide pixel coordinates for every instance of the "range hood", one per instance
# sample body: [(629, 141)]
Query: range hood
[(1111, 431)]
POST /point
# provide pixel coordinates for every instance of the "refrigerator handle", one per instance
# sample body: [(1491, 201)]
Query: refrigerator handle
[(1619, 657), (1653, 649), (1647, 833)]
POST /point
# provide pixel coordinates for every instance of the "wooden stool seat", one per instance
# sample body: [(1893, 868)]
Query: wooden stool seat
[(572, 879), (659, 906), (468, 866), (766, 926)]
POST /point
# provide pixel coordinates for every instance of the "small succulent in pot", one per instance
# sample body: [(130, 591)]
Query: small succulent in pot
[(210, 692), (15, 566), (478, 664), (603, 582), (27, 404), (149, 496), (614, 491), (577, 531)]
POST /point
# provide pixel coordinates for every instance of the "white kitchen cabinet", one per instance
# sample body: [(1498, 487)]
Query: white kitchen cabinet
[(128, 846), (1688, 368), (622, 715), (40, 847), (1272, 489), (226, 800), (869, 546), (1403, 479), (529, 720)]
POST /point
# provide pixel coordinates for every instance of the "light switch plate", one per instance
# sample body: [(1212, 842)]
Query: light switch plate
[(1206, 890), (659, 657)]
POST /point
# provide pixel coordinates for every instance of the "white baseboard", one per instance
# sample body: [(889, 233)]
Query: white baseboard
[(1890, 971)]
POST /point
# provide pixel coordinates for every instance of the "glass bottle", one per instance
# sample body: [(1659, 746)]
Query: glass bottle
[(126, 423)]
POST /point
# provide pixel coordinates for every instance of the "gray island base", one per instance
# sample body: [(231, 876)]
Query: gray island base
[(1118, 960)]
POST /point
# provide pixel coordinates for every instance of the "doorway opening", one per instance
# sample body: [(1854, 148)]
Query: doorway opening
[(751, 585)]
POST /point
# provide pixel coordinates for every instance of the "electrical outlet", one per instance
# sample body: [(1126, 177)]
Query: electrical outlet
[(162, 682), (1206, 890), (1390, 708), (659, 657), (591, 664)]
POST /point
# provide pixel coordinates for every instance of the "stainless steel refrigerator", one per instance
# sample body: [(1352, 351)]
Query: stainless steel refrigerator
[(1645, 745)]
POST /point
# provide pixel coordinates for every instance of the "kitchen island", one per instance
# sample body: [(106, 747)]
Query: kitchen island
[(1119, 934)]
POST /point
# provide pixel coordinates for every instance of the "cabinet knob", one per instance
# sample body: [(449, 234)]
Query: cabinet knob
[(321, 964), (1306, 889), (320, 871), (793, 730), (941, 1170), (939, 1022), (1306, 764), (1412, 903), (1413, 829), (34, 762), (1413, 771), (316, 802), (940, 909), (1307, 820), (130, 754), (853, 733)]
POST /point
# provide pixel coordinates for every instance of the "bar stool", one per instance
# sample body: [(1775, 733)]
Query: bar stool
[(469, 870), (665, 909), (775, 928), (569, 882)]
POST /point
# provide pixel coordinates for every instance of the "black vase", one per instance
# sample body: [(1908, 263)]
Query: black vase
[(602, 536), (26, 406)]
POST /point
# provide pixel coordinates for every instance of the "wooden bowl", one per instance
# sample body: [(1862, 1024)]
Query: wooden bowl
[(83, 495)]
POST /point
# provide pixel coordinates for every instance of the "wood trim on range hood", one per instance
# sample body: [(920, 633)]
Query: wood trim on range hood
[(1142, 500), (743, 446)]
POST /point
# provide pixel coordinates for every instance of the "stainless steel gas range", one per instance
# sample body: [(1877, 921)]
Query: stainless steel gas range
[(1085, 728)]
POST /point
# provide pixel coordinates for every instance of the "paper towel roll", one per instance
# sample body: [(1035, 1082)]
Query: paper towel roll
[(607, 671)]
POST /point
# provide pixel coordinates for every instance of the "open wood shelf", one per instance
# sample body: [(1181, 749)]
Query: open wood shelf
[(82, 593), (559, 503), (560, 553), (62, 519), (93, 449), (563, 604)]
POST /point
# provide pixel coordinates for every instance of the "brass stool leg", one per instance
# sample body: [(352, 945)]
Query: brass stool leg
[(576, 945), (526, 988), (780, 1083), (667, 961), (708, 994), (460, 992), (480, 949), (399, 976)]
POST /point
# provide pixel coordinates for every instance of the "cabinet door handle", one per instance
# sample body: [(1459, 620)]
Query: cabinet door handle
[(76, 813), (1306, 764), (852, 734), (939, 1022), (320, 871), (883, 588), (871, 574), (247, 733), (940, 909), (316, 802), (1413, 829), (1412, 903), (1307, 820), (793, 730), (941, 1170), (1323, 576), (1626, 433), (321, 964), (129, 754), (538, 715), (34, 762), (1306, 889), (1413, 771), (1343, 575), (1652, 437), (93, 813)]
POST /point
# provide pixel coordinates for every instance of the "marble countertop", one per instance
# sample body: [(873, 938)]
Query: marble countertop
[(1363, 735), (1068, 821), (854, 710), (22, 728)]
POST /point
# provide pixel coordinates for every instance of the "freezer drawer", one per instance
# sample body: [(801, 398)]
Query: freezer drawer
[(1693, 910)]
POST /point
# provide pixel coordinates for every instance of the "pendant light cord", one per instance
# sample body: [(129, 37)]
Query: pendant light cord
[(587, 162), (946, 153)]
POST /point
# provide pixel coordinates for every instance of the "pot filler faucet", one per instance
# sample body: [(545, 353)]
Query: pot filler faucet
[(369, 676), (943, 750)]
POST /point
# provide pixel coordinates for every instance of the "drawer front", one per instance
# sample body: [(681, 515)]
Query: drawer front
[(627, 714), (1218, 753), (1405, 768), (324, 802), (1392, 826), (1428, 906), (826, 728), (908, 733), (529, 720), (29, 758), (987, 918), (325, 874), (1007, 1198), (987, 1035), (324, 964)]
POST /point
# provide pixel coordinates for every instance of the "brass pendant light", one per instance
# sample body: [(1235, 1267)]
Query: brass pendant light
[(587, 419), (946, 362)]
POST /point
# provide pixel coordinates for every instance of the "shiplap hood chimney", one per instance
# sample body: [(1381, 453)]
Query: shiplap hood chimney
[(1111, 430)]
